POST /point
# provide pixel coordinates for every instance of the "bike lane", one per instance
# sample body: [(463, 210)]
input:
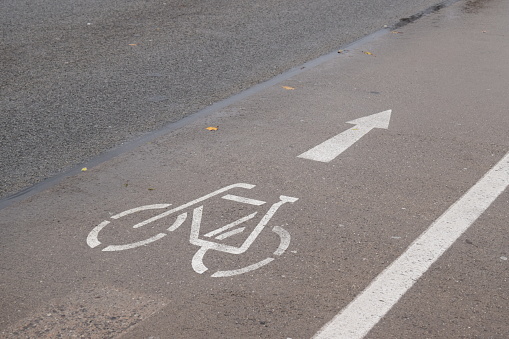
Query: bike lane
[(347, 218)]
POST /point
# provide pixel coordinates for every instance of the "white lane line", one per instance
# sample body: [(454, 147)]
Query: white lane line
[(364, 312), (243, 200)]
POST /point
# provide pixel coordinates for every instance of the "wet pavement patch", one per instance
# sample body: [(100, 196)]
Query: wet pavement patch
[(405, 21), (473, 6)]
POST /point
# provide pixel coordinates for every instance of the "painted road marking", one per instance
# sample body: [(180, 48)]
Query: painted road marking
[(243, 200), (113, 248), (197, 261), (242, 270), (230, 233), (330, 149), (285, 239), (178, 222), (233, 224), (283, 245), (364, 312), (92, 238), (205, 197), (141, 208), (221, 233), (196, 224)]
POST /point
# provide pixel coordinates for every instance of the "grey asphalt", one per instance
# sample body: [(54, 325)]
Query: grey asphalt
[(80, 78), (445, 79)]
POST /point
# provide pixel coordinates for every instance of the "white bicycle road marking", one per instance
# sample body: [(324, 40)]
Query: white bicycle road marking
[(199, 267), (230, 233), (233, 224), (112, 248), (285, 239), (137, 209), (249, 268), (92, 240), (180, 220), (243, 200), (219, 234), (193, 202), (195, 229), (364, 312)]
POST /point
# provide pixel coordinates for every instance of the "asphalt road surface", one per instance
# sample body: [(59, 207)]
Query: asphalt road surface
[(364, 196), (79, 78)]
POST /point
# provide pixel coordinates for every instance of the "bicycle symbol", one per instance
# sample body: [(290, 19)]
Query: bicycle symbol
[(219, 234)]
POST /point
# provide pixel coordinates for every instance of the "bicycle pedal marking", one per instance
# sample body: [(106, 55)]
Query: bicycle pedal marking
[(208, 241)]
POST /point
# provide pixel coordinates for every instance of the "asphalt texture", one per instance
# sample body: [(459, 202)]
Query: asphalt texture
[(73, 265), (80, 78)]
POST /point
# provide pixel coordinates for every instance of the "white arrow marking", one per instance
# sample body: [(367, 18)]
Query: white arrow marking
[(333, 147)]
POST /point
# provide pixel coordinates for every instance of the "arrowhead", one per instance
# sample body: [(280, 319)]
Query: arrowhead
[(378, 120)]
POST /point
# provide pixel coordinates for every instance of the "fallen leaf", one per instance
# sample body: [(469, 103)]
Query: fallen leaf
[(288, 88), (212, 128), (151, 189), (368, 53), (396, 32), (84, 169), (132, 44)]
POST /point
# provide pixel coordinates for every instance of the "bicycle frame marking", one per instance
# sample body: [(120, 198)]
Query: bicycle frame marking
[(219, 234), (195, 229)]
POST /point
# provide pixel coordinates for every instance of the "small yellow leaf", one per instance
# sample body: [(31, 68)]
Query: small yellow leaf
[(368, 53), (212, 128), (288, 88), (84, 169)]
